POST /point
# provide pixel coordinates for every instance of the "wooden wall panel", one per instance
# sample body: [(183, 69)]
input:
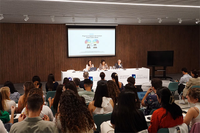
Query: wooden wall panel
[(39, 49)]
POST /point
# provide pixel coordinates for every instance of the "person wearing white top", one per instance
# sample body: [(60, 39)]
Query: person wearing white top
[(183, 80), (193, 114), (101, 104), (89, 65), (9, 104), (2, 128), (45, 111), (5, 92)]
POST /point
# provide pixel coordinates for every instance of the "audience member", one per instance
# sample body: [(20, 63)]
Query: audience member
[(89, 65), (65, 80), (54, 101), (73, 116), (103, 65), (4, 115), (125, 116), (51, 84), (195, 80), (2, 128), (14, 94), (118, 64), (113, 91), (5, 92), (102, 76), (184, 79), (132, 81), (114, 77), (46, 111), (77, 83), (169, 115), (36, 80), (85, 76), (193, 114), (23, 99), (33, 123), (71, 86), (130, 87), (150, 101), (101, 104), (87, 93)]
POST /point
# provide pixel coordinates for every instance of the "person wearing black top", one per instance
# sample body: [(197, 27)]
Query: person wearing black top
[(118, 64), (125, 116), (51, 84)]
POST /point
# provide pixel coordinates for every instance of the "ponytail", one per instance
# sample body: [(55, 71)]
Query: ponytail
[(115, 77)]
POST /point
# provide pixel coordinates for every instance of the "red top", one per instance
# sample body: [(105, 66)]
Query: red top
[(159, 120)]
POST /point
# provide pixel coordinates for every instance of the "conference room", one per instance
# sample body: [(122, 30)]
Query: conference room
[(64, 42)]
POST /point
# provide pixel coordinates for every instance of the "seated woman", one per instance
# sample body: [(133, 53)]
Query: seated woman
[(5, 92), (113, 91), (23, 99), (169, 115), (101, 104), (102, 76), (51, 84), (73, 116), (65, 80), (45, 109), (195, 80), (126, 117), (118, 64), (103, 65), (114, 77), (14, 95), (4, 115), (54, 101), (89, 65), (130, 87), (193, 114)]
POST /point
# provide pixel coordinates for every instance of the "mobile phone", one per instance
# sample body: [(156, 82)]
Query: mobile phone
[(91, 78), (133, 75)]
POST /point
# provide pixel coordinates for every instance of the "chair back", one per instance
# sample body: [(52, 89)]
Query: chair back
[(50, 94), (173, 86), (53, 111), (163, 130), (141, 95), (152, 111), (100, 118), (195, 128), (195, 86)]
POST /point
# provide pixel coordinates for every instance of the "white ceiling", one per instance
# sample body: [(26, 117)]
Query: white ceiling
[(93, 12)]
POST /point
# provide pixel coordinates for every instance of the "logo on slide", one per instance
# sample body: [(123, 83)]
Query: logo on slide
[(91, 43), (88, 42), (95, 42)]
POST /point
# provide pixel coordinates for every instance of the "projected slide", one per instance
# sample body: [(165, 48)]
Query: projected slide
[(84, 42)]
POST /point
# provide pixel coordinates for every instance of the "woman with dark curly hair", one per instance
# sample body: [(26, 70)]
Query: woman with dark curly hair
[(113, 91), (73, 116)]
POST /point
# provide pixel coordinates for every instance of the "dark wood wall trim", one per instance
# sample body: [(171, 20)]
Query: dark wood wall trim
[(39, 49)]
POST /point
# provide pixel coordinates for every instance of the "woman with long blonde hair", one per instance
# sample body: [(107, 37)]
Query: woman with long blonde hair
[(6, 102)]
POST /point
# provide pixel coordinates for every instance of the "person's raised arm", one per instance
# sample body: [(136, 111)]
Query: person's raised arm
[(12, 114), (145, 96)]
